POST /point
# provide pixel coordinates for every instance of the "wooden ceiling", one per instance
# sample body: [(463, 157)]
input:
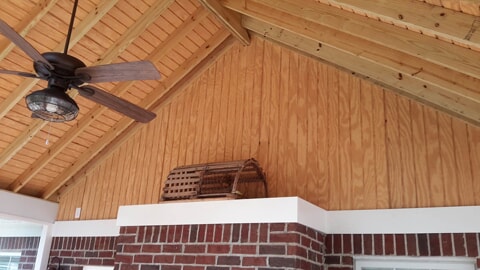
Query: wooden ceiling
[(426, 50)]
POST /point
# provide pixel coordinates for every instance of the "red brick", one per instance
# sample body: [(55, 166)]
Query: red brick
[(193, 233), (347, 243), (185, 233), (218, 233), (170, 234), (254, 261), (389, 244), (66, 253), (210, 233), (129, 267), (236, 233), (272, 249), (218, 249), (434, 244), (254, 233), (478, 263), (367, 244), (411, 245), (151, 248), (378, 244), (459, 244), (178, 233), (125, 239), (184, 259), (201, 232), (172, 248), (288, 263), (285, 238), (95, 261), (400, 249), (107, 262), (263, 237), (447, 244), (332, 259), (148, 234), (193, 267), (306, 242), (142, 258), (472, 248), (132, 248), (347, 260), (103, 254), (163, 234), (163, 258), (296, 251), (244, 249), (141, 234), (357, 244), (156, 234), (228, 260), (422, 242), (245, 233), (122, 258), (277, 227), (195, 248), (205, 259), (171, 267), (337, 243)]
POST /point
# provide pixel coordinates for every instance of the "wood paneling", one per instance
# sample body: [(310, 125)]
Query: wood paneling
[(319, 133)]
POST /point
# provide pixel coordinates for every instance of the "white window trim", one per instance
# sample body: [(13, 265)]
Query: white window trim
[(420, 263)]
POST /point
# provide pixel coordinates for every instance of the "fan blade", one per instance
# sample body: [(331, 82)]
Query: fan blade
[(19, 73), (129, 71), (115, 103), (8, 32)]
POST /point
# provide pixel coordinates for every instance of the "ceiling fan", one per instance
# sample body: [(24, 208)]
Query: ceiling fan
[(63, 72)]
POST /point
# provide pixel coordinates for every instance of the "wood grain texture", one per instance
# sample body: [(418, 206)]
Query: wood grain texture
[(320, 133)]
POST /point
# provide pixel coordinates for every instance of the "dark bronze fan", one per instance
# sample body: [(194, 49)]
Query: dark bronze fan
[(63, 72)]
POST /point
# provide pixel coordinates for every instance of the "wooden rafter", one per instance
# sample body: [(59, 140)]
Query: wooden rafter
[(229, 19), (119, 46), (422, 68), (28, 84), (27, 23), (103, 147), (443, 23)]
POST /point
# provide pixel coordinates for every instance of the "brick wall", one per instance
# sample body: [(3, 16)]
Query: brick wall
[(230, 246), (27, 245), (250, 246), (340, 248), (74, 252)]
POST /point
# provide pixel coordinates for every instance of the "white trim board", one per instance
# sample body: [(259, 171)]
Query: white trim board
[(294, 209), (21, 207), (81, 228), (274, 210)]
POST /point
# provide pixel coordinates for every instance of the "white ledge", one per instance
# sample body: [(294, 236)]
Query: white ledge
[(84, 228), (294, 209)]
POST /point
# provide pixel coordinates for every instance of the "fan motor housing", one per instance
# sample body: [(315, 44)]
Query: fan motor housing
[(64, 68)]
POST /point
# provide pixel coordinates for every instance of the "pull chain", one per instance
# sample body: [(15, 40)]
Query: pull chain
[(48, 133)]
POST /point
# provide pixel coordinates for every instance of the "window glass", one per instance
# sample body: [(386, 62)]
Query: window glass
[(9, 260)]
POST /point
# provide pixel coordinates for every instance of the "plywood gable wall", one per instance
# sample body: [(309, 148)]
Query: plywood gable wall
[(319, 133)]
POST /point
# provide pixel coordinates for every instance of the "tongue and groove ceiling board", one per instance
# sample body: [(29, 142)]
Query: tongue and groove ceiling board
[(426, 50)]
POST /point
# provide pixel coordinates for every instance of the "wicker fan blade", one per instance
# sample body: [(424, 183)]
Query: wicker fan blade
[(115, 103), (8, 32), (19, 73), (129, 71)]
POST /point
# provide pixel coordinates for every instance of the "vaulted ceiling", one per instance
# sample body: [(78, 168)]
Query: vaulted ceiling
[(426, 50)]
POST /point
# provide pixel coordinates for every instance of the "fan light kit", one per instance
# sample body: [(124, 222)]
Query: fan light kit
[(63, 72)]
